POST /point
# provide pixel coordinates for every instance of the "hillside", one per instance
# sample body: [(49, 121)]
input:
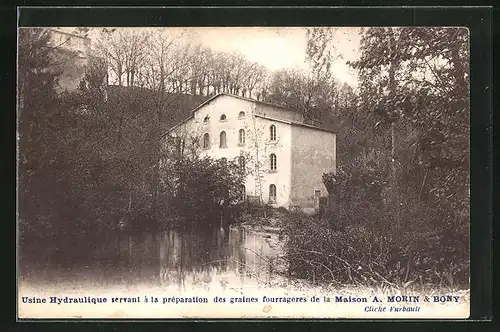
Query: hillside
[(179, 106)]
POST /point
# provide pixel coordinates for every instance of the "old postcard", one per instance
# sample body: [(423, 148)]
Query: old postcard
[(256, 172)]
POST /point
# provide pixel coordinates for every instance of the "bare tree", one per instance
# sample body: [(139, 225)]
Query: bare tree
[(255, 74), (124, 51), (305, 92)]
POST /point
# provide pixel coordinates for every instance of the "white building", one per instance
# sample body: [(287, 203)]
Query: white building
[(283, 157)]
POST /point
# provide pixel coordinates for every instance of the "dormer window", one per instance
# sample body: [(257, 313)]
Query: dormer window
[(223, 117), (241, 115), (206, 119)]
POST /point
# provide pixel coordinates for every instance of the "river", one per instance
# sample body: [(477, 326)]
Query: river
[(235, 274), (234, 258)]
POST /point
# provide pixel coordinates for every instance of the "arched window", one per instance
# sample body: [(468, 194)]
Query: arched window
[(206, 119), (241, 115), (272, 160), (241, 137), (206, 141), (243, 193), (272, 133), (241, 162), (223, 117), (223, 142), (272, 193)]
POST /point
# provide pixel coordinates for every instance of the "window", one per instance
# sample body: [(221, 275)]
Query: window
[(206, 141), (272, 132), (317, 193), (223, 117), (206, 119), (241, 137), (272, 193), (272, 159), (241, 162), (241, 115), (223, 142)]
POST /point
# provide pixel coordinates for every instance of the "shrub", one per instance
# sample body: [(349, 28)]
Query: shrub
[(205, 190), (375, 243), (363, 253)]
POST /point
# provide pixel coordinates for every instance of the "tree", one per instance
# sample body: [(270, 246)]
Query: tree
[(312, 96), (422, 75), (62, 146), (255, 75), (410, 123), (124, 52), (320, 50), (36, 102)]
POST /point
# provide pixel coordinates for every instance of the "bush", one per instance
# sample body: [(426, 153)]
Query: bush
[(371, 255), (206, 190), (375, 243)]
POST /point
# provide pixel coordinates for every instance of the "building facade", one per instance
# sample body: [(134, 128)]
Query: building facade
[(72, 59), (283, 157)]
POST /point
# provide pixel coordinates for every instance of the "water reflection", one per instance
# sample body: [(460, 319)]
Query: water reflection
[(224, 258)]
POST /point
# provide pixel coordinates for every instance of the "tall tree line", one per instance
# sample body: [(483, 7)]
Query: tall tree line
[(133, 56), (140, 59)]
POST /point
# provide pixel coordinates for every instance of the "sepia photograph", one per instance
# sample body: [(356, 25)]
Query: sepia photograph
[(243, 172)]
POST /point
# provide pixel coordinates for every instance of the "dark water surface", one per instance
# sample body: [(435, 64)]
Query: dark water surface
[(226, 258), (238, 265)]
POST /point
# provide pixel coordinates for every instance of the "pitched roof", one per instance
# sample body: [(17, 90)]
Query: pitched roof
[(229, 95), (296, 123), (242, 98), (254, 101)]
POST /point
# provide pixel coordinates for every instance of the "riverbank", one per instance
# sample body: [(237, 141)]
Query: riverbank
[(272, 222)]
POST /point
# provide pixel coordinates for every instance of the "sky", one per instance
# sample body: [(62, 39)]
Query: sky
[(277, 48), (273, 47)]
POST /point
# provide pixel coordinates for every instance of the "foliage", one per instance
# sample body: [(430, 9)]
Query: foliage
[(312, 96), (374, 243), (399, 203), (356, 194), (89, 158), (374, 254), (433, 98), (203, 188)]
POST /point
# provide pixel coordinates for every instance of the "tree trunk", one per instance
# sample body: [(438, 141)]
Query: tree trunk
[(392, 92), (393, 160)]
